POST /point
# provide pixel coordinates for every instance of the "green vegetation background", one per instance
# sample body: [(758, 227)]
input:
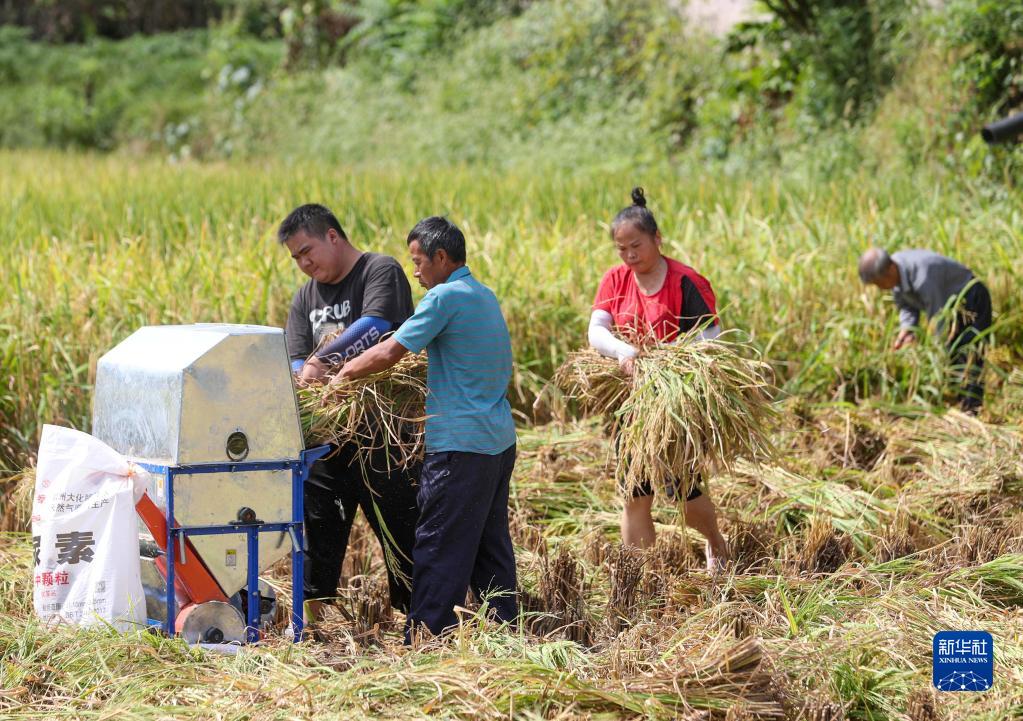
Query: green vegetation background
[(567, 83), (773, 156)]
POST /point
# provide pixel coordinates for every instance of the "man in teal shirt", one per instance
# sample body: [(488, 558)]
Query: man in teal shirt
[(462, 538)]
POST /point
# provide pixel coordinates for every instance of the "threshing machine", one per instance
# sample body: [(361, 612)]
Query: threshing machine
[(209, 412)]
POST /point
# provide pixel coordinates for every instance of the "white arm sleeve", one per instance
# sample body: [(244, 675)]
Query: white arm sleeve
[(603, 340)]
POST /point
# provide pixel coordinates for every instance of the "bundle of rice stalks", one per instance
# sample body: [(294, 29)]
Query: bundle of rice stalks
[(16, 500), (751, 545), (824, 549), (383, 414), (998, 581), (896, 541), (923, 705), (723, 663), (821, 709), (367, 604), (689, 405), (625, 570), (562, 594), (794, 497)]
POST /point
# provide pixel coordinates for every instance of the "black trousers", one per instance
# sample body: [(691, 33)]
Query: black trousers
[(966, 345), (335, 490), (462, 540)]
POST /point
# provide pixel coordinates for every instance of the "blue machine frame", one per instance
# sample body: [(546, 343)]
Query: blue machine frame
[(176, 536)]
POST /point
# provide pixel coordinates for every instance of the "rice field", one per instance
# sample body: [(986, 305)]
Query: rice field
[(881, 521)]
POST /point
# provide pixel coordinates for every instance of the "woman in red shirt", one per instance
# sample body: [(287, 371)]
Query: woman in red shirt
[(653, 297)]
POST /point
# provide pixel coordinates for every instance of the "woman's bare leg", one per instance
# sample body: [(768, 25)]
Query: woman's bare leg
[(701, 515), (637, 523)]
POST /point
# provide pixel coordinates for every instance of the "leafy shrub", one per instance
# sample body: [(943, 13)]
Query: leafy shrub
[(566, 82), (393, 35), (987, 38), (833, 59), (983, 38), (81, 20), (101, 93)]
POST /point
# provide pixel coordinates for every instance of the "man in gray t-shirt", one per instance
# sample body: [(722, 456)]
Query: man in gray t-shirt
[(361, 297), (924, 281)]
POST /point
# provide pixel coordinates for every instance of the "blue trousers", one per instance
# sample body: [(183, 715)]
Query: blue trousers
[(462, 538)]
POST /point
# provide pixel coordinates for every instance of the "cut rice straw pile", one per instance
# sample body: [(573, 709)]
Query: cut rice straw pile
[(689, 406), (384, 412)]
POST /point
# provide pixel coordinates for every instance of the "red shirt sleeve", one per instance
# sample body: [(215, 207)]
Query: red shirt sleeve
[(607, 293)]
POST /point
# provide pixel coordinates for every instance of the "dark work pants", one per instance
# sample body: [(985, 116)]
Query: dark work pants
[(336, 488), (462, 540), (967, 342)]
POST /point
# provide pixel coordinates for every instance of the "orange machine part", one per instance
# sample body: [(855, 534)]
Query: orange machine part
[(190, 576)]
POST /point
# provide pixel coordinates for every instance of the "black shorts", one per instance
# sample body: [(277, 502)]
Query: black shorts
[(672, 490)]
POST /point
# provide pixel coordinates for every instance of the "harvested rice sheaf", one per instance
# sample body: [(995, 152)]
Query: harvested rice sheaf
[(689, 406), (625, 571), (562, 598), (16, 494), (823, 549), (382, 414)]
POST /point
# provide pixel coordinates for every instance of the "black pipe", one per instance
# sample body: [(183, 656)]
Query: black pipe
[(1002, 130)]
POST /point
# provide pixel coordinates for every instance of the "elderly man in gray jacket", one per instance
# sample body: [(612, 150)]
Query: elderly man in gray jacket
[(921, 280)]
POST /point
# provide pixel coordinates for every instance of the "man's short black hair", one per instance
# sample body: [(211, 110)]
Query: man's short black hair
[(438, 232), (312, 218)]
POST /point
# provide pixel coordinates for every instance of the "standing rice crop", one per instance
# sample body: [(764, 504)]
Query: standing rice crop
[(689, 405)]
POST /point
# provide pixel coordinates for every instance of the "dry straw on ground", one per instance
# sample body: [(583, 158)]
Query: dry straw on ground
[(690, 406), (822, 619)]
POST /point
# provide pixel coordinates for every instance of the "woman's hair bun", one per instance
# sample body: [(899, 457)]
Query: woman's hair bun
[(636, 214)]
